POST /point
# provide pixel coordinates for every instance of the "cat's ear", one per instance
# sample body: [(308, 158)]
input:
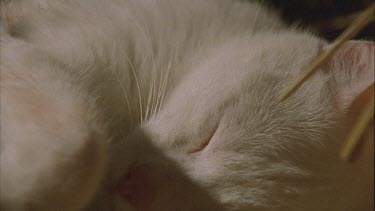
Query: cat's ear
[(352, 69)]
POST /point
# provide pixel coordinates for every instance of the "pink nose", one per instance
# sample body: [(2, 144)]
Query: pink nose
[(136, 189)]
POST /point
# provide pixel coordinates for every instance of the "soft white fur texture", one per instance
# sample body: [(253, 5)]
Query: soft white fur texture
[(92, 91)]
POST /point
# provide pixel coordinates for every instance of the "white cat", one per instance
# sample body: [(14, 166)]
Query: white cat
[(172, 105)]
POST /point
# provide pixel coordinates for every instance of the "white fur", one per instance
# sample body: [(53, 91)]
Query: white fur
[(157, 78)]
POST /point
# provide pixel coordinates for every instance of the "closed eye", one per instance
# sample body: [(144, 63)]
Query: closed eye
[(204, 144)]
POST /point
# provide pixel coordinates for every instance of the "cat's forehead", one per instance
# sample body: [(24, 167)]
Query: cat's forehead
[(250, 69)]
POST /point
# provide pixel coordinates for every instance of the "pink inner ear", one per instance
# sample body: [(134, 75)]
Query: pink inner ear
[(352, 68)]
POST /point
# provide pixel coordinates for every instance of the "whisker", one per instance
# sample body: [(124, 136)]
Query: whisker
[(149, 45), (159, 93), (165, 82), (149, 100), (256, 17), (138, 89), (127, 101), (116, 74), (154, 84)]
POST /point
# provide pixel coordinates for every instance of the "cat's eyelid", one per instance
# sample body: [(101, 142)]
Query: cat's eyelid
[(205, 143)]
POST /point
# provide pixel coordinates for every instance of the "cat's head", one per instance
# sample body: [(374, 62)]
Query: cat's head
[(226, 139)]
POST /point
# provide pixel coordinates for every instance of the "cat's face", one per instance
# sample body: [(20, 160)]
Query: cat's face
[(227, 138)]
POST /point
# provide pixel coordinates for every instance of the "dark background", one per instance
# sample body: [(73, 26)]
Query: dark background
[(328, 17)]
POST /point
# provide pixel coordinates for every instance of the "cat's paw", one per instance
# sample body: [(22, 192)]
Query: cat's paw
[(53, 151)]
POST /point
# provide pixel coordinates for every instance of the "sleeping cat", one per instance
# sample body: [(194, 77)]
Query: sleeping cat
[(173, 105)]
